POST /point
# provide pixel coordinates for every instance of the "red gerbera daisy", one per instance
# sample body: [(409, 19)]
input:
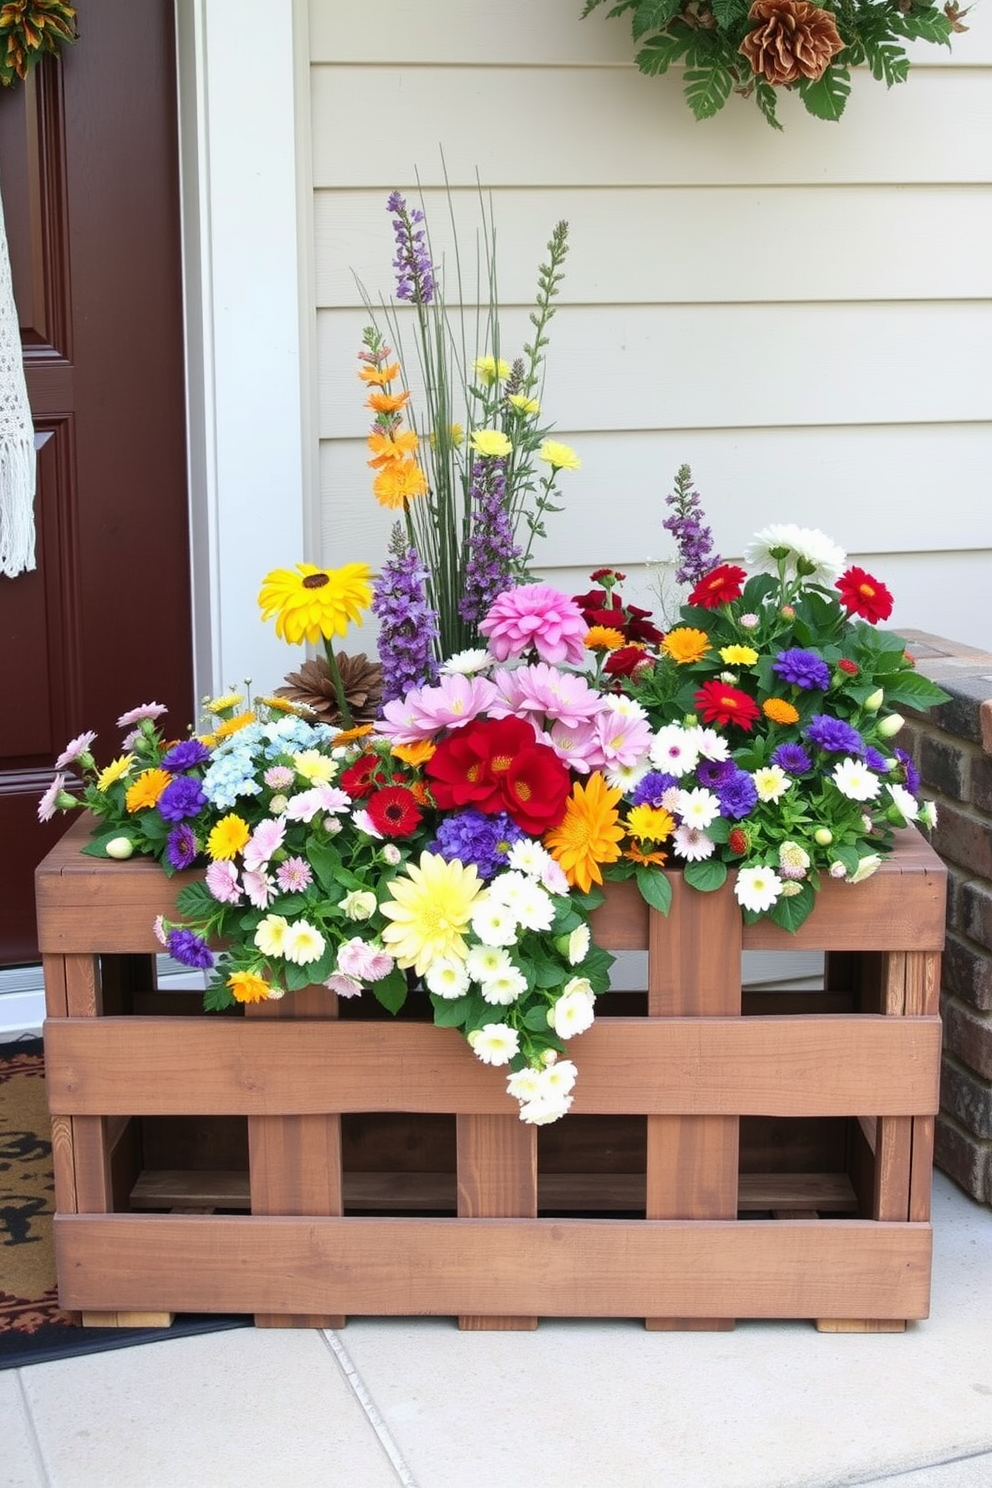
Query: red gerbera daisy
[(863, 595), (718, 703), (720, 586), (393, 811), (361, 778)]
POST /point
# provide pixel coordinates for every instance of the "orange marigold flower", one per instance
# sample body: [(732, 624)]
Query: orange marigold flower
[(650, 823), (247, 987), (603, 638), (417, 753), (634, 853), (387, 402), (589, 834), (685, 644), (779, 711), (385, 448), (348, 736), (379, 376), (398, 482), (146, 790)]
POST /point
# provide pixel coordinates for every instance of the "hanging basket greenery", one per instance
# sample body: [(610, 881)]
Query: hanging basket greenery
[(29, 29), (757, 49)]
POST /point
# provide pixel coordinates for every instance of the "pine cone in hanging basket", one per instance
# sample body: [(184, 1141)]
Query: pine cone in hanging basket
[(792, 40), (313, 686)]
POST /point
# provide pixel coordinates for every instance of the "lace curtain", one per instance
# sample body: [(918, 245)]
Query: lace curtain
[(17, 455)]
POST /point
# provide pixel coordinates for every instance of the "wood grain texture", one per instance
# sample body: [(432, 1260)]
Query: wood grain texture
[(497, 1178)]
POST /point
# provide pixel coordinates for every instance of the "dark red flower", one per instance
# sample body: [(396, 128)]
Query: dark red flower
[(638, 626), (497, 764), (535, 789), (848, 666), (720, 586), (718, 703), (863, 595), (361, 778), (394, 811), (633, 623), (626, 661)]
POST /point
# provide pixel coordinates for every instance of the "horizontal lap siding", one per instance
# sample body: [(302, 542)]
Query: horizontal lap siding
[(803, 317)]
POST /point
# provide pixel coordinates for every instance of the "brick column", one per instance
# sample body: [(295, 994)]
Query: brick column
[(952, 748)]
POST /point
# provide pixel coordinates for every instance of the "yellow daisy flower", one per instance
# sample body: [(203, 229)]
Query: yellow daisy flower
[(398, 483), (489, 370), (685, 644), (247, 987), (315, 603), (523, 404), (417, 753), (317, 768), (233, 725), (650, 823), (779, 711), (559, 456), (224, 704), (738, 655), (589, 833), (429, 912), (491, 442), (603, 638), (145, 791), (227, 838), (115, 771)]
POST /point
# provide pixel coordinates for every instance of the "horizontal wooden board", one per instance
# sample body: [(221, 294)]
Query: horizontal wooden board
[(668, 365), (677, 239), (625, 129), (550, 34), (549, 1268), (819, 1065)]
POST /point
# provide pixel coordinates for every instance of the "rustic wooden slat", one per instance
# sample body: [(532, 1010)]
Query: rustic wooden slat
[(497, 1178), (552, 1268), (827, 1066), (126, 1319), (82, 987), (56, 997), (694, 958), (921, 1170)]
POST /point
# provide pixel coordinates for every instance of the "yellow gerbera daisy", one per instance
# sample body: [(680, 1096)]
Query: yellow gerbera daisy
[(233, 725), (489, 370), (224, 704), (650, 823), (559, 456), (348, 736), (285, 705), (779, 711), (685, 644), (115, 771), (315, 603), (429, 911), (227, 838), (603, 638), (738, 655), (146, 790), (315, 767), (491, 442), (398, 483), (523, 404), (589, 833), (247, 987)]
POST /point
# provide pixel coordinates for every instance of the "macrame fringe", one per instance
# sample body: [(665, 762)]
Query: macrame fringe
[(17, 484)]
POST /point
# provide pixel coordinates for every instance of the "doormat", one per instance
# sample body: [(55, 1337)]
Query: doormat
[(33, 1328)]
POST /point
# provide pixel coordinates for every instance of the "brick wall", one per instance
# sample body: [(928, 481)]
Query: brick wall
[(952, 746)]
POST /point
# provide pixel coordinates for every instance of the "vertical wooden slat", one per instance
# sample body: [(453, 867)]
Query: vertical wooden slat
[(295, 1161), (497, 1179), (694, 970)]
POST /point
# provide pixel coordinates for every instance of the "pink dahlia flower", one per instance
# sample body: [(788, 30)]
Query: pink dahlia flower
[(539, 616)]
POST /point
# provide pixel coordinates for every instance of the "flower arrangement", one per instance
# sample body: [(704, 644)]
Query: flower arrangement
[(757, 47), (455, 848), (29, 29)]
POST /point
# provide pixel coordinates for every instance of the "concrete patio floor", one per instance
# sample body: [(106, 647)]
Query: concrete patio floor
[(578, 1404)]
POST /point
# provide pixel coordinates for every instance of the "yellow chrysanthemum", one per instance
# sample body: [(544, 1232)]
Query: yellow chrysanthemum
[(284, 705), (398, 483), (603, 638), (315, 767), (489, 370), (429, 912), (348, 736), (491, 442), (315, 603), (224, 704), (417, 753), (146, 789), (115, 771), (233, 725), (685, 644), (387, 402), (559, 456), (738, 655), (589, 833), (523, 404), (379, 376), (247, 987), (650, 823), (227, 838), (779, 711), (385, 448), (456, 435)]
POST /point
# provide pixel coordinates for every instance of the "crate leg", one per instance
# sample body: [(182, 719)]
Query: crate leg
[(497, 1178), (127, 1319)]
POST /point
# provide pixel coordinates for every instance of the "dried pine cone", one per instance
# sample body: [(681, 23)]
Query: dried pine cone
[(313, 686), (793, 40)]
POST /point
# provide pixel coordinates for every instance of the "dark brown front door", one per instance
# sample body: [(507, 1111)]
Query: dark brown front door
[(89, 174)]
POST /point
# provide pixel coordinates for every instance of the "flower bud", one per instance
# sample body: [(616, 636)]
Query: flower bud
[(119, 847), (874, 701), (788, 612), (891, 725), (278, 805), (837, 870), (823, 836)]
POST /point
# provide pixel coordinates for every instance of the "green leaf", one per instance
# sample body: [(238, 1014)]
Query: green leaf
[(97, 845), (195, 902), (827, 97), (706, 876), (536, 1018), (391, 990), (766, 97), (655, 888), (217, 997), (927, 24), (707, 89), (652, 15), (888, 61), (790, 913), (452, 1012), (727, 12), (657, 55)]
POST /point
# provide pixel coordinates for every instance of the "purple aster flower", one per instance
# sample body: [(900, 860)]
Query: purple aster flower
[(181, 847), (738, 796), (910, 771), (414, 270), (714, 773), (185, 755), (491, 549), (181, 798), (803, 669), (407, 624), (834, 735), (472, 837), (792, 758), (189, 949), (876, 761), (694, 541), (651, 788)]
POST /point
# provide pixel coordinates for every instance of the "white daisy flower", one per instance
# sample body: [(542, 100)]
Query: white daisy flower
[(854, 780), (905, 801), (494, 1043), (757, 888), (465, 663), (692, 844), (447, 979), (698, 808), (771, 782), (674, 750)]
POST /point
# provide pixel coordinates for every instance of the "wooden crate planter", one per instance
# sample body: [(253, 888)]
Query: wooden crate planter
[(810, 1114)]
